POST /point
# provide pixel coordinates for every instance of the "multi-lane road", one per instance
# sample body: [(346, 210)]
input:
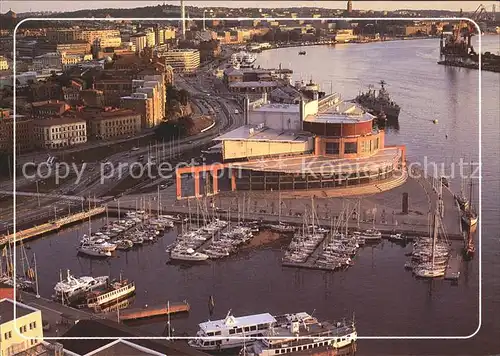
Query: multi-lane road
[(226, 111)]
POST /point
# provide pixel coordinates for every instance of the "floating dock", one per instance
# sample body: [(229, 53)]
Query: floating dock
[(453, 268), (153, 311), (51, 226)]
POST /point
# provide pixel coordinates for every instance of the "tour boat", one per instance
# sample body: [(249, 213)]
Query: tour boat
[(303, 334), (118, 290), (231, 333)]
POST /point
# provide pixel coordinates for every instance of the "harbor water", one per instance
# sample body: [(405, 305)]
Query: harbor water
[(385, 298)]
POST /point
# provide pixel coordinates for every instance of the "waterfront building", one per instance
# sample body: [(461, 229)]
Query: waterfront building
[(59, 132), (315, 144), (21, 334), (183, 60), (345, 35), (113, 123)]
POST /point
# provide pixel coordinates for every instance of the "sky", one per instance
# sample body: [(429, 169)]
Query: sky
[(71, 5)]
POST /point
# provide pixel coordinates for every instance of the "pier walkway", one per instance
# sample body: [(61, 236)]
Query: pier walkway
[(51, 226)]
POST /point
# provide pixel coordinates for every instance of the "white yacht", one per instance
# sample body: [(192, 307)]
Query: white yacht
[(72, 287), (301, 332), (188, 255), (231, 332), (369, 235), (91, 250)]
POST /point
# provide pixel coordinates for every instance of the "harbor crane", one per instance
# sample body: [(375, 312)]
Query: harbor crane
[(456, 40)]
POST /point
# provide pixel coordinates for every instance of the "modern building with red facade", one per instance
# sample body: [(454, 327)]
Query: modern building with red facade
[(316, 144)]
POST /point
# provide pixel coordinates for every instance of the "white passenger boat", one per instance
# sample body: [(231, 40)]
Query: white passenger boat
[(188, 255), (231, 333), (302, 334), (118, 290)]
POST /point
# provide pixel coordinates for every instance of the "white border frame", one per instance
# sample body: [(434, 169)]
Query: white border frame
[(265, 19)]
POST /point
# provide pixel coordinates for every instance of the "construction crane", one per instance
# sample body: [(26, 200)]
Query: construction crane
[(456, 42)]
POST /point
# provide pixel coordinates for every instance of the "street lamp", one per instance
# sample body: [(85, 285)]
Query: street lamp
[(204, 12)]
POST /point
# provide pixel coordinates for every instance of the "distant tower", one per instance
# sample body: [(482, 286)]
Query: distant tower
[(183, 21), (493, 9), (349, 6)]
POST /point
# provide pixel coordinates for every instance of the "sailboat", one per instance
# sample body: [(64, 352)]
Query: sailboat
[(280, 226), (469, 216), (432, 269)]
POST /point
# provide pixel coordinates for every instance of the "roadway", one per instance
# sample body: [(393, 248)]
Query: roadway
[(62, 200)]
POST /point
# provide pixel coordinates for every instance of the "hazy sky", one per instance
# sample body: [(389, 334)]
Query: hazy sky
[(40, 5)]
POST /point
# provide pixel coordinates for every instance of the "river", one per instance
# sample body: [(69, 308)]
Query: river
[(385, 298)]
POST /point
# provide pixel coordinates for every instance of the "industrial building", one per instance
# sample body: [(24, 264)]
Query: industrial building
[(315, 144)]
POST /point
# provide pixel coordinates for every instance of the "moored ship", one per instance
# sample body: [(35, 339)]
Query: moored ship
[(231, 333), (72, 288), (379, 104), (302, 334), (116, 292)]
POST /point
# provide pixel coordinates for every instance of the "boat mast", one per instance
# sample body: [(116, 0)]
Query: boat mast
[(279, 208), (36, 276), (434, 237)]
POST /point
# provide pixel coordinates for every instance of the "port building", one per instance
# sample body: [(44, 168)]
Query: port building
[(317, 143)]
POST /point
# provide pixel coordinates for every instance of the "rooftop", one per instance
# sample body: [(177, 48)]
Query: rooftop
[(7, 310), (123, 347), (276, 107), (103, 115), (256, 133), (232, 321), (58, 121), (323, 164), (341, 113), (266, 84), (111, 329)]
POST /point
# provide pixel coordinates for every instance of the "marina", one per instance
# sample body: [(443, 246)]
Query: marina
[(314, 246)]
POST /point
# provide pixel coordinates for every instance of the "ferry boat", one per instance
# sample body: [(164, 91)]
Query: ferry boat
[(72, 288), (231, 333), (379, 103), (300, 333), (117, 291)]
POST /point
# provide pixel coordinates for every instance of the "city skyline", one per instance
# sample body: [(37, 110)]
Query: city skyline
[(22, 6)]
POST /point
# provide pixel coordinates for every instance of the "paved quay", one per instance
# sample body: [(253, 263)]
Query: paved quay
[(379, 209)]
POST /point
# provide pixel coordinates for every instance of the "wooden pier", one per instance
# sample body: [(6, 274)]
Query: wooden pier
[(51, 226), (153, 311), (453, 268)]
